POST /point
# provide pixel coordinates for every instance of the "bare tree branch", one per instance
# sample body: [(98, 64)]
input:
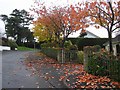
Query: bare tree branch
[(104, 12), (115, 28), (116, 22)]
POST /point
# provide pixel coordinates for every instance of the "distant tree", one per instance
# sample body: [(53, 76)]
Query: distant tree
[(17, 25), (4, 17)]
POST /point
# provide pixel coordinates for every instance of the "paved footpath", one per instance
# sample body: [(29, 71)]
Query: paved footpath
[(16, 75)]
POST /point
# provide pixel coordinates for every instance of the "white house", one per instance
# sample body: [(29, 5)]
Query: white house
[(101, 32), (89, 35)]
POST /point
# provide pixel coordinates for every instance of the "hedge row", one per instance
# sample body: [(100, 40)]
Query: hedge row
[(10, 43), (81, 42), (51, 52), (103, 64), (31, 45), (69, 55)]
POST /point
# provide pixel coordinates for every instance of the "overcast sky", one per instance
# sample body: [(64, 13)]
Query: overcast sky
[(7, 6)]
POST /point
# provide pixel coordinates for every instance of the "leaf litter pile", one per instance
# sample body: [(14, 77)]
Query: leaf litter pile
[(76, 76)]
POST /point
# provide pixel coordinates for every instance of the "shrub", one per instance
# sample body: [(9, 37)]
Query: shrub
[(96, 65), (104, 64), (51, 52), (73, 47), (80, 56), (88, 50), (81, 42), (4, 41), (67, 44), (49, 44), (12, 44), (69, 55)]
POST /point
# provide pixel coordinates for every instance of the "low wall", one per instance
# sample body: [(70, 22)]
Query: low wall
[(4, 48)]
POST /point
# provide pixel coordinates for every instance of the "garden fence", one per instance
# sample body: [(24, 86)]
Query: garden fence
[(67, 56), (61, 55)]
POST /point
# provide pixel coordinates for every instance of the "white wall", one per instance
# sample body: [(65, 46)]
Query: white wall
[(0, 70), (4, 48), (2, 28), (114, 49)]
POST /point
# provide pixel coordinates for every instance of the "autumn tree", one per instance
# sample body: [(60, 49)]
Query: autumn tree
[(41, 32), (61, 21), (47, 25), (105, 14)]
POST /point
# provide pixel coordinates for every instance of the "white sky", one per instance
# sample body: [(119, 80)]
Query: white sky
[(7, 6)]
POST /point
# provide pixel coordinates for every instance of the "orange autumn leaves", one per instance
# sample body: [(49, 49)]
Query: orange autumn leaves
[(58, 22), (102, 14), (82, 78)]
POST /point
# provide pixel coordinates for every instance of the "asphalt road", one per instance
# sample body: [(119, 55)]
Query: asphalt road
[(15, 75)]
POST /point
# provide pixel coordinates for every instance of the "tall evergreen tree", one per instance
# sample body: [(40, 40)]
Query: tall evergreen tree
[(17, 25)]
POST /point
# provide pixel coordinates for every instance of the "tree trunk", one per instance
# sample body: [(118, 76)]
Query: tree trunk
[(110, 42), (63, 50)]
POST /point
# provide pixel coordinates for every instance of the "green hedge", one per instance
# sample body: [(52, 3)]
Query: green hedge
[(51, 52), (69, 55), (10, 43), (81, 42), (80, 56), (104, 64)]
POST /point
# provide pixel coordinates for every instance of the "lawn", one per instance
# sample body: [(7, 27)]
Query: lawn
[(24, 48)]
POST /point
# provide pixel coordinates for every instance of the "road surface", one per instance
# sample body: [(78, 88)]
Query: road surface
[(15, 74)]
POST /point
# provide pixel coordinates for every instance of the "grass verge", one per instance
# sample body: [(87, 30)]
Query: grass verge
[(22, 48)]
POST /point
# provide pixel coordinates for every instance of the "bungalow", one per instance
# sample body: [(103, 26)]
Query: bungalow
[(87, 33), (90, 35)]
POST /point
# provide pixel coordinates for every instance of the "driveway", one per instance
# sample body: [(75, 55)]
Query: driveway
[(16, 75)]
